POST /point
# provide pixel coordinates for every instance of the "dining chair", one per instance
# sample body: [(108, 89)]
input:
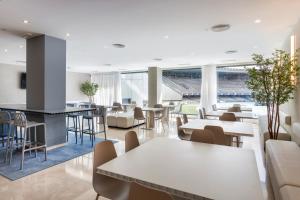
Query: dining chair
[(218, 135), (131, 141), (180, 131), (228, 117), (185, 118), (214, 107), (139, 116), (106, 186), (201, 116), (234, 109), (140, 192), (202, 136), (118, 107)]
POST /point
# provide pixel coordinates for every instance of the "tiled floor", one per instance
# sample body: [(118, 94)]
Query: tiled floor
[(72, 179)]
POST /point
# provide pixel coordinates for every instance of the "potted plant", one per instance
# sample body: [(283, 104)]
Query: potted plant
[(273, 82), (89, 89)]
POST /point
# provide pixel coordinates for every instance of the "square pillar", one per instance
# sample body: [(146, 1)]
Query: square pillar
[(154, 85)]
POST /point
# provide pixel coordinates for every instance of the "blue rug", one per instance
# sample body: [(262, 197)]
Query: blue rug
[(54, 157)]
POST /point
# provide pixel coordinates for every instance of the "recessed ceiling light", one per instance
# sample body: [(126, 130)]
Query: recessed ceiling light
[(107, 64), (166, 37), (5, 50), (117, 45), (68, 34), (220, 27), (25, 21), (257, 21), (157, 59), (21, 46), (231, 51)]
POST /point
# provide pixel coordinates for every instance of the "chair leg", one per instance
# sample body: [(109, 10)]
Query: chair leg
[(68, 124), (104, 127), (35, 141), (45, 149), (97, 197), (23, 148), (82, 130), (93, 133), (76, 129), (9, 137)]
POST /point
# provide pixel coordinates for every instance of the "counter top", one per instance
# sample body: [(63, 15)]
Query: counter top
[(23, 108)]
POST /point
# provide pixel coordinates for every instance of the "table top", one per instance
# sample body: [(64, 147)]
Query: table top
[(244, 115), (190, 169), (23, 108), (152, 109), (230, 128), (246, 109)]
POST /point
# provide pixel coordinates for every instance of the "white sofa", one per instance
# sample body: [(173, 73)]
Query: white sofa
[(283, 169), (122, 120)]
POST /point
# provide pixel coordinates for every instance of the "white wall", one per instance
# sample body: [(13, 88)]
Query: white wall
[(11, 93)]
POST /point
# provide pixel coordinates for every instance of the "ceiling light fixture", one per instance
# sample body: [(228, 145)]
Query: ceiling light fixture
[(117, 45), (5, 50), (231, 51), (257, 21), (220, 27), (166, 37), (157, 59), (21, 46), (68, 34), (25, 21)]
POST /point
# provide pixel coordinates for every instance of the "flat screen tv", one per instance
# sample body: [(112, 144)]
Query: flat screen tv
[(23, 81)]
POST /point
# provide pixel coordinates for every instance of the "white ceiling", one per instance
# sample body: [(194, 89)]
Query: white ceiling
[(142, 25)]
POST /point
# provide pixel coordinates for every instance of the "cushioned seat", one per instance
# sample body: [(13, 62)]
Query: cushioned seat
[(122, 120), (283, 164)]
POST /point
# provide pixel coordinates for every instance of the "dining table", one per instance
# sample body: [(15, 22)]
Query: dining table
[(189, 170)]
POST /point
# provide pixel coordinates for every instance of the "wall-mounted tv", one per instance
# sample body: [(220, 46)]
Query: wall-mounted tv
[(23, 81)]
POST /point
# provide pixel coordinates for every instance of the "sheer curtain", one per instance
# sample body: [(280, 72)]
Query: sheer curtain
[(208, 87), (109, 88)]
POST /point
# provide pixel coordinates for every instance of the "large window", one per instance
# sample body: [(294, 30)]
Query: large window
[(232, 85), (134, 87)]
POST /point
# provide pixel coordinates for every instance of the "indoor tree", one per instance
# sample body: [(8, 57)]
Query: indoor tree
[(89, 89), (273, 82)]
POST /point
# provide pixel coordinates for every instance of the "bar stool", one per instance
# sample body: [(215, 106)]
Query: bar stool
[(5, 127), (75, 117), (27, 143), (90, 130)]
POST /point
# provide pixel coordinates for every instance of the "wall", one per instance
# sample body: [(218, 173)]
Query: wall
[(11, 93), (293, 106)]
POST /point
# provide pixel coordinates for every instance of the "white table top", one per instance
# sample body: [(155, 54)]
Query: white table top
[(243, 115), (230, 128), (152, 109), (190, 169), (246, 109)]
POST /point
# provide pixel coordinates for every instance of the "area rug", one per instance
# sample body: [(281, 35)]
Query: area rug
[(54, 157)]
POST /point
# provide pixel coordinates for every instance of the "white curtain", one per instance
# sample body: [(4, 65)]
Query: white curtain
[(208, 87), (109, 88)]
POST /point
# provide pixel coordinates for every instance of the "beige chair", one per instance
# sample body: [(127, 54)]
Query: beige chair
[(218, 135), (118, 108), (139, 192), (103, 185), (138, 115), (185, 118), (131, 141), (228, 117), (202, 136), (180, 132), (234, 109)]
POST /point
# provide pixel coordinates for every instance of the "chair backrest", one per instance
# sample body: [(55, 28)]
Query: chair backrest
[(214, 107), (118, 108), (228, 117), (131, 141), (139, 192), (133, 102), (202, 136), (185, 118), (138, 113), (103, 152), (201, 116), (20, 120), (234, 109), (218, 135)]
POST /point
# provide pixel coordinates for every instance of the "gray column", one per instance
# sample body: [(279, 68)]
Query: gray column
[(46, 73), (154, 85)]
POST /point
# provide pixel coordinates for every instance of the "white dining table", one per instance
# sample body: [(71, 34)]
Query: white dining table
[(189, 170), (230, 128), (239, 115)]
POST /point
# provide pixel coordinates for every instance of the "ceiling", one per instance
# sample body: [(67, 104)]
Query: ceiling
[(177, 31)]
